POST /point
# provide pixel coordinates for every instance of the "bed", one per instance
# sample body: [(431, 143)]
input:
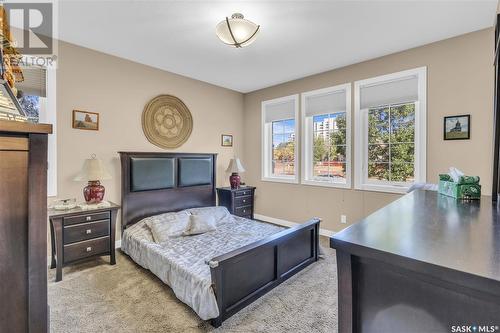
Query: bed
[(215, 273)]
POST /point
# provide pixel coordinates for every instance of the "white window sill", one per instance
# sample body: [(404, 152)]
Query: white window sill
[(383, 188), (325, 184), (280, 180)]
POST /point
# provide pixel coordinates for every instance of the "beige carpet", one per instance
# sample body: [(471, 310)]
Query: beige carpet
[(97, 297)]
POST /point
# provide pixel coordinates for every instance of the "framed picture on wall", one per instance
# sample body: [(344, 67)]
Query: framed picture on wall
[(227, 140), (85, 120), (457, 127)]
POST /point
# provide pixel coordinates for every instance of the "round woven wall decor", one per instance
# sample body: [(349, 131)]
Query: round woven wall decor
[(167, 122)]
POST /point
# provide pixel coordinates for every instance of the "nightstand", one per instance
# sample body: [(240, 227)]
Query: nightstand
[(238, 201), (78, 234)]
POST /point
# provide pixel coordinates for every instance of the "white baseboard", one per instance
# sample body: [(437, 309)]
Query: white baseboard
[(285, 223), (118, 244)]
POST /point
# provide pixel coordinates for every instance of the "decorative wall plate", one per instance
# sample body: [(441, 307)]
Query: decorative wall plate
[(167, 122)]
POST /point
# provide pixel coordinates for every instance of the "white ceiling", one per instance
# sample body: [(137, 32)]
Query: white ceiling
[(297, 38)]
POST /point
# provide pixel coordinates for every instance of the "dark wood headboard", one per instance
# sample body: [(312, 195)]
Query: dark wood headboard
[(155, 183)]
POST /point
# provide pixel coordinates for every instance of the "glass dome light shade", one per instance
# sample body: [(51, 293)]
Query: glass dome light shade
[(236, 31)]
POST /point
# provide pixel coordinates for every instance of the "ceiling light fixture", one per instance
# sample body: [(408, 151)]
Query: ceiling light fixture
[(236, 31)]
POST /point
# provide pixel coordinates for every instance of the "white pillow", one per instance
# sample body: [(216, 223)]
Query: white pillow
[(219, 213), (167, 225), (199, 224)]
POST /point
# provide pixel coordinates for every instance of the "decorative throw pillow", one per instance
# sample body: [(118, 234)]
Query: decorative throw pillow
[(167, 225), (199, 224)]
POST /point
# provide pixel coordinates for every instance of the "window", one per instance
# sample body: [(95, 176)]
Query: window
[(391, 131), (38, 100), (283, 158), (279, 139), (326, 122)]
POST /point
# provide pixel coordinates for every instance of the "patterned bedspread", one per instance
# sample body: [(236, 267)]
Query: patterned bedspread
[(181, 262)]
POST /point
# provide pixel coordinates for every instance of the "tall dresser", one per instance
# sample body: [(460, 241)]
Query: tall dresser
[(23, 226)]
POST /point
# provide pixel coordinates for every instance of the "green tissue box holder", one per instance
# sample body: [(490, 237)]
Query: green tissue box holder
[(467, 187)]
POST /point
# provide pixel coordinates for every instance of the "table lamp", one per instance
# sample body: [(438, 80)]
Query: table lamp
[(235, 167), (93, 171)]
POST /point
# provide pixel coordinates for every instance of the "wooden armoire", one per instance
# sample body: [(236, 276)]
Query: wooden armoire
[(23, 226)]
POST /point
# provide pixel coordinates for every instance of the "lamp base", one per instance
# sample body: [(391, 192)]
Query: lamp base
[(93, 192), (235, 180)]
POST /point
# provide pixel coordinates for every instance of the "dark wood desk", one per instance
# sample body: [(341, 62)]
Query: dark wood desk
[(424, 263)]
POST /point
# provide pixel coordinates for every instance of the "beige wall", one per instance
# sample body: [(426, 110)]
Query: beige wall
[(460, 81), (118, 90)]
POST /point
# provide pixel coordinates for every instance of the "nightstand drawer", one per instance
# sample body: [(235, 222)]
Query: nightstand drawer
[(86, 249), (239, 201), (86, 218), (243, 201), (243, 211), (84, 231), (242, 193)]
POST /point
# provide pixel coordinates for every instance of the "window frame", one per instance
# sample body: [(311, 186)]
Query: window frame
[(51, 118), (307, 142), (266, 144), (361, 181), (49, 115)]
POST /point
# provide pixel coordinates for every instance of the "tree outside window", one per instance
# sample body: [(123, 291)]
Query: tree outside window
[(283, 133), (31, 106), (329, 147), (391, 143)]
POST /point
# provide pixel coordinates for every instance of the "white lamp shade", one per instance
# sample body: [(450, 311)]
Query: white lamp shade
[(93, 170), (235, 166), (244, 32)]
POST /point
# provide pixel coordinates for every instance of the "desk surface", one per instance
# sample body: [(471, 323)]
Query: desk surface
[(431, 229)]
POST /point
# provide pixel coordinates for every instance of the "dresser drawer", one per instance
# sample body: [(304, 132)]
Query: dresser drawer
[(84, 231), (242, 193), (243, 211), (243, 201), (86, 249), (86, 218)]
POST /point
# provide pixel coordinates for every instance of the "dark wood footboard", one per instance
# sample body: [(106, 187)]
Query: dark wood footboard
[(241, 276)]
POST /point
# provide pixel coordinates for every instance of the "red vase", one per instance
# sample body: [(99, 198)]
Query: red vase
[(93, 192), (235, 180)]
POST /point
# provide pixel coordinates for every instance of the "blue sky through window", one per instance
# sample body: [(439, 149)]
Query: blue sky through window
[(320, 118), (283, 131)]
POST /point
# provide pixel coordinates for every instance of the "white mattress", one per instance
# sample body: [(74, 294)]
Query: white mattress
[(181, 262)]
